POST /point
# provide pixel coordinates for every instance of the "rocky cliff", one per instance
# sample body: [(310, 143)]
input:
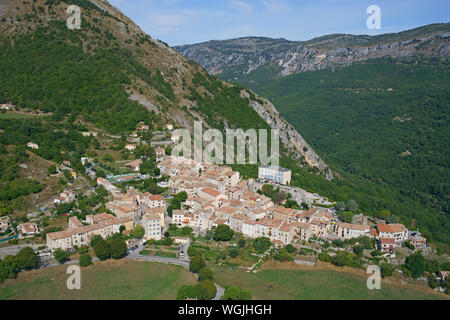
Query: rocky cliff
[(232, 59)]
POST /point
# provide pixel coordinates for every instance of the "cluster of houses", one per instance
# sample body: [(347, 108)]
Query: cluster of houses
[(128, 210), (217, 195), (28, 229), (79, 233), (67, 196)]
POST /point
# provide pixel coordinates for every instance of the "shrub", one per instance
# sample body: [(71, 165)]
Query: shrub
[(209, 288), (235, 293), (85, 260), (27, 258), (83, 250), (60, 255), (138, 232), (95, 239), (197, 263), (205, 274), (290, 248), (118, 248), (233, 252), (223, 233), (102, 250), (261, 244)]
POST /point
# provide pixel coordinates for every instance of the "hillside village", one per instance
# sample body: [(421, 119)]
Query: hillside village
[(212, 196), (216, 195)]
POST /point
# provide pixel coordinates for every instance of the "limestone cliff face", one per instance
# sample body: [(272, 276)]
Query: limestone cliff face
[(232, 59), (292, 140)]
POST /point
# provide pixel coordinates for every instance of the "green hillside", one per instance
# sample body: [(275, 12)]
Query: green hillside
[(383, 126)]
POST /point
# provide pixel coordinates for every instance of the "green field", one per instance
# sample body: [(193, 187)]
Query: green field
[(315, 285), (112, 280)]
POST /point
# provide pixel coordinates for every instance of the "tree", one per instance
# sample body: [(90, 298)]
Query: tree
[(85, 260), (407, 244), (95, 239), (52, 169), (290, 248), (138, 232), (196, 264), (433, 282), (235, 293), (4, 209), (393, 219), (102, 250), (223, 233), (233, 252), (415, 263), (338, 243), (261, 244), (201, 292), (340, 206), (352, 206), (346, 216), (205, 274), (27, 259), (384, 215), (83, 250), (387, 270), (187, 292), (122, 229), (60, 255), (118, 248), (209, 288), (8, 268), (358, 250), (241, 243)]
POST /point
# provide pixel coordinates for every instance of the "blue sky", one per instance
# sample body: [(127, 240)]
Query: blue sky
[(190, 21)]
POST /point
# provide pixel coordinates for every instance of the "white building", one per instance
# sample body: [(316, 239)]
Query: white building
[(349, 231), (32, 145), (276, 174), (152, 226)]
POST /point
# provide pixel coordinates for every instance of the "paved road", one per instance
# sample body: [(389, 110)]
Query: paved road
[(134, 255), (14, 249)]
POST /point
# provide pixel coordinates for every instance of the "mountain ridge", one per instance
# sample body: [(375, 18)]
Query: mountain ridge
[(234, 58)]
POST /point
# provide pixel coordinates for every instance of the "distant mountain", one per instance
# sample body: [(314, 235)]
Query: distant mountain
[(375, 108), (233, 59), (110, 73)]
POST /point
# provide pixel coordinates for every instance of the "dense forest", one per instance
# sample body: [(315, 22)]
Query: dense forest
[(45, 71), (383, 127)]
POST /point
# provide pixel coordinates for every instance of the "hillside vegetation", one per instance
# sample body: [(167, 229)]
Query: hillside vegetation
[(383, 125)]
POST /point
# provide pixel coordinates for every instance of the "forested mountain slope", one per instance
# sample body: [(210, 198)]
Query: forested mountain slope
[(112, 74), (383, 125)]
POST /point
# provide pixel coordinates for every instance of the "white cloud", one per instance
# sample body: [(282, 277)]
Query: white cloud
[(277, 7), (242, 6), (167, 23)]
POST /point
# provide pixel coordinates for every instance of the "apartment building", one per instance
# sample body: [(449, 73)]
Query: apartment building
[(152, 226), (349, 231), (276, 174), (67, 239)]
